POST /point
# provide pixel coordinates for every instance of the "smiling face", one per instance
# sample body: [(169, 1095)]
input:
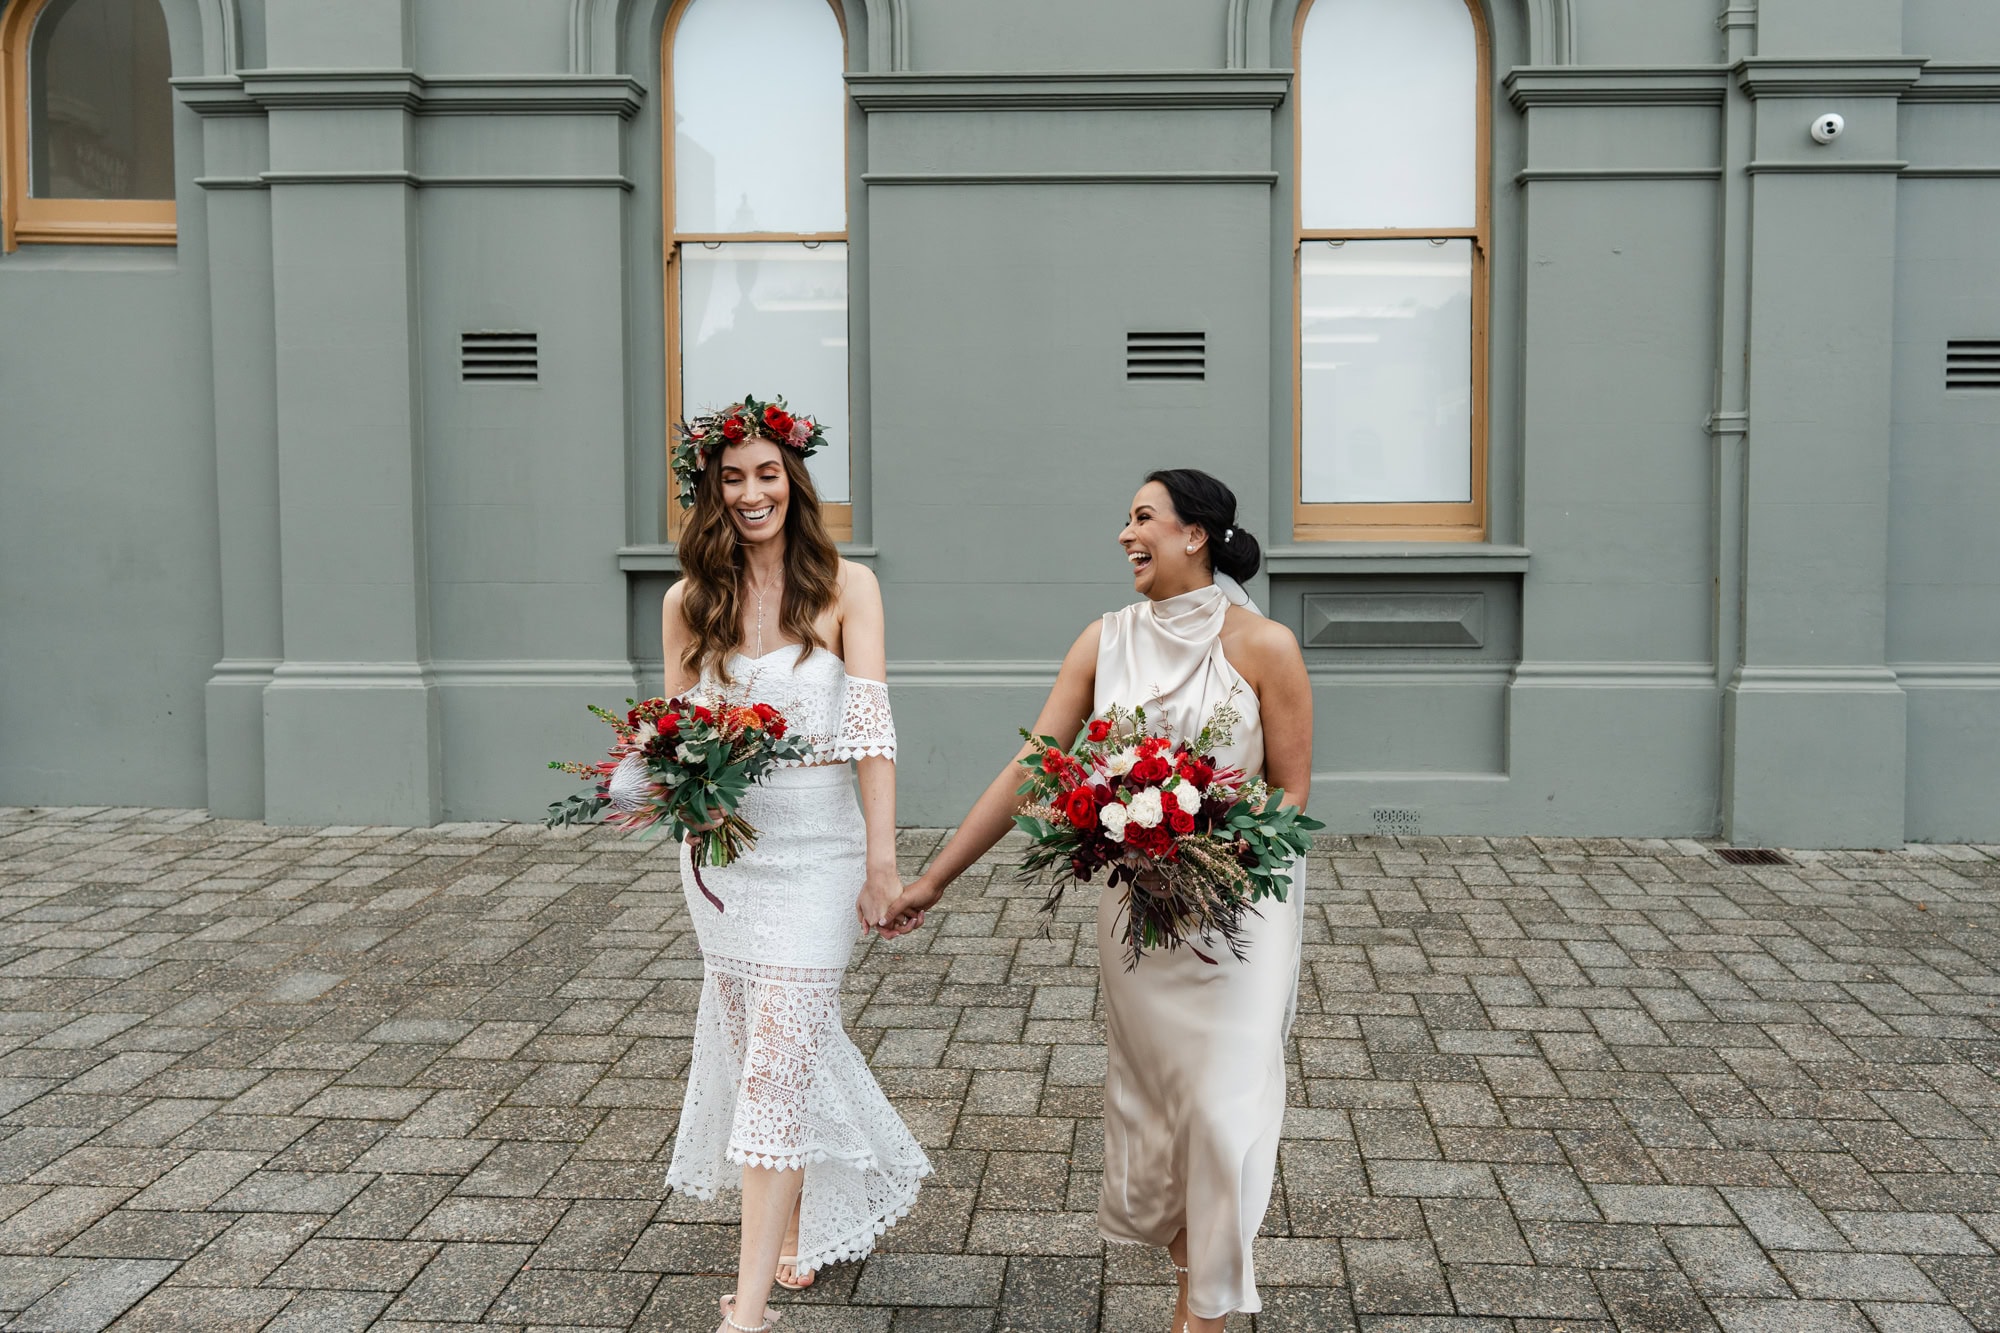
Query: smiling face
[(755, 490), (1156, 542)]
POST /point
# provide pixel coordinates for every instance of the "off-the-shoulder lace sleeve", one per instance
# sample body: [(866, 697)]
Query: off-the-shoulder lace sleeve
[(866, 728)]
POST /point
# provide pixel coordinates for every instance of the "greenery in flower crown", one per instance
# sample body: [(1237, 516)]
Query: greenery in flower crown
[(695, 439)]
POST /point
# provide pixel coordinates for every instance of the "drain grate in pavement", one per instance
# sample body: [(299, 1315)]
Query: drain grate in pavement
[(1753, 856)]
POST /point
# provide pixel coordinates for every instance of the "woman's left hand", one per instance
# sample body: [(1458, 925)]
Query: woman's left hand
[(878, 894)]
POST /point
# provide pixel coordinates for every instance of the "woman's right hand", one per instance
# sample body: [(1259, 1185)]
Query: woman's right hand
[(907, 912)]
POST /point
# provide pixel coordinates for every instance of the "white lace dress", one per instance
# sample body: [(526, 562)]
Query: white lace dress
[(774, 1080)]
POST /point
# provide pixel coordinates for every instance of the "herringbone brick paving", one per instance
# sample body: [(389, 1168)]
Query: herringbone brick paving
[(342, 1078)]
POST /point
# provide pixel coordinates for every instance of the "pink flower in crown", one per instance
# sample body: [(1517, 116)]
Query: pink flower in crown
[(802, 430)]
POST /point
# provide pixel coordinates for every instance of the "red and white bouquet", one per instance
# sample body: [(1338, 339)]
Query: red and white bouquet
[(683, 764), (1195, 844)]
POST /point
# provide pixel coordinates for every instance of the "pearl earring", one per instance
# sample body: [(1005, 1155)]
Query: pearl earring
[(1190, 550)]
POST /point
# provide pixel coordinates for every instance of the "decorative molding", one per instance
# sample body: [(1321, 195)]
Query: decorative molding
[(1394, 620), (1728, 423), (244, 670), (1952, 82), (888, 35), (1259, 89), (606, 674), (1533, 174), (1267, 179), (595, 27), (1947, 675), (661, 558), (1395, 558), (1829, 76), (1789, 679), (1617, 85), (1551, 32), (1334, 673), (1615, 675), (221, 47), (1832, 166), (956, 675), (1737, 16), (254, 92), (351, 675), (413, 179), (1951, 173)]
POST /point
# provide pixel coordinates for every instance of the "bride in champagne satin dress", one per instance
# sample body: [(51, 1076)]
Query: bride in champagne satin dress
[(1194, 1088)]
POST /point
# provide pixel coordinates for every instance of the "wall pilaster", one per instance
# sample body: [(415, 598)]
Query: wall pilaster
[(1814, 720)]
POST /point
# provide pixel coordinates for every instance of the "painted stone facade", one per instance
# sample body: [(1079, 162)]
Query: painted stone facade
[(263, 548)]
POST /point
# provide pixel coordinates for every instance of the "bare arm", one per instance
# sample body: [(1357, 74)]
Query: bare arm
[(864, 647), (1062, 716), (674, 642)]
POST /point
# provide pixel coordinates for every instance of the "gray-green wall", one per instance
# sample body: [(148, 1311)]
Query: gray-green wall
[(1740, 577)]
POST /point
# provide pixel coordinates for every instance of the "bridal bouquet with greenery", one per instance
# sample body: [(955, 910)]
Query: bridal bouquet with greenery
[(687, 766), (1193, 845)]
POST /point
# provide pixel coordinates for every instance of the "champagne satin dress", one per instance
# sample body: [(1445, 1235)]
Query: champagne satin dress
[(1194, 1084)]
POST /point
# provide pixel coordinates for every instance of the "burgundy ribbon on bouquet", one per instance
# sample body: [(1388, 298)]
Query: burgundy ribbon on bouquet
[(694, 861)]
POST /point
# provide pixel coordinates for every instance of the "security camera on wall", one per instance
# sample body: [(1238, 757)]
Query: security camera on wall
[(1827, 128)]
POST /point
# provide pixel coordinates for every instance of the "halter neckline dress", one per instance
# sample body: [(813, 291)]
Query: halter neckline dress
[(1194, 1085)]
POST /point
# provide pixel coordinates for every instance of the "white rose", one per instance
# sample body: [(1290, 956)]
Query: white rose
[(1119, 762), (1188, 797), (1113, 818), (1144, 808)]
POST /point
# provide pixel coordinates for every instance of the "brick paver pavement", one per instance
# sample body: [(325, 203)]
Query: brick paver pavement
[(338, 1078)]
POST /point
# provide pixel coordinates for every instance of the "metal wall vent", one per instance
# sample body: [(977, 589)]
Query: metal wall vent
[(1166, 356), (1752, 856), (1397, 821), (1972, 363), (496, 357)]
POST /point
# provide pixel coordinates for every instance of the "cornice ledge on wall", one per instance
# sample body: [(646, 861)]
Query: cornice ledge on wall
[(1829, 76), (1616, 85), (1947, 81), (1788, 679), (1266, 179), (1615, 675), (1396, 558), (253, 92), (1034, 90), (1947, 675)]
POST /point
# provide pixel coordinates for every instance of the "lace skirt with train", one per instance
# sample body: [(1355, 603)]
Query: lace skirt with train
[(774, 1080)]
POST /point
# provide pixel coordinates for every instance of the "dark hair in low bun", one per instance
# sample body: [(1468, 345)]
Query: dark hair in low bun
[(1202, 501)]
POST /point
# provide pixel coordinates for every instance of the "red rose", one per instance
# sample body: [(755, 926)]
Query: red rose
[(1100, 730), (733, 429), (1080, 807), (670, 724), (1151, 772), (703, 716), (777, 421), (1180, 821)]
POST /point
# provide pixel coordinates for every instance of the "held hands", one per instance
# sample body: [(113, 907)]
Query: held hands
[(907, 912), (879, 892)]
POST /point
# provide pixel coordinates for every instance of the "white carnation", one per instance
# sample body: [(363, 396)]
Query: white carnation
[(1119, 762), (1145, 809), (1188, 797), (1113, 818)]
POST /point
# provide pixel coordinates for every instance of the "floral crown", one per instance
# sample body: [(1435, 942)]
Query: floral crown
[(697, 439)]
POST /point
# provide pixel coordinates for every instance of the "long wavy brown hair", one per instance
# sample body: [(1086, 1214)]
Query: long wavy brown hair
[(712, 566)]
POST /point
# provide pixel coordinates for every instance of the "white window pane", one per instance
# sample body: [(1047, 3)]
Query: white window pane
[(1388, 114), (100, 120), (768, 319), (1385, 372), (759, 116)]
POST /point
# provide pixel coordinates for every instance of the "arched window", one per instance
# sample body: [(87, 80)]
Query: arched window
[(1391, 279), (88, 123), (756, 224)]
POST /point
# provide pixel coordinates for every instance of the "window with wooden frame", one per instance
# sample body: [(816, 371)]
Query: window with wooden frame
[(1390, 280), (756, 219), (86, 123)]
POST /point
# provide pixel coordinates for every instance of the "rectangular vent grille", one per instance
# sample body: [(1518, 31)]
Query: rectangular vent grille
[(1397, 821), (1166, 356), (1752, 856), (1972, 363), (494, 357)]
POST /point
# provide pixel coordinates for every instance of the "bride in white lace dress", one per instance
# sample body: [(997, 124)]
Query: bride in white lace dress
[(779, 1102)]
